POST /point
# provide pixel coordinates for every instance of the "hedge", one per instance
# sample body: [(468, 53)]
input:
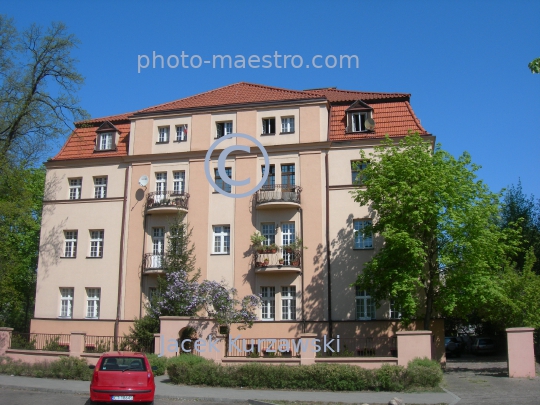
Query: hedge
[(69, 368), (420, 373)]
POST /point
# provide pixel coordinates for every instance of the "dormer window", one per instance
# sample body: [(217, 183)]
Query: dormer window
[(106, 141), (107, 137), (359, 117)]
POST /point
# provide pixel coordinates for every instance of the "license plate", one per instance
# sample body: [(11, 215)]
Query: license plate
[(122, 398)]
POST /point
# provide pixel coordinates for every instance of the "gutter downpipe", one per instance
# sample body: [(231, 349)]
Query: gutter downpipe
[(330, 328), (121, 261), (302, 262)]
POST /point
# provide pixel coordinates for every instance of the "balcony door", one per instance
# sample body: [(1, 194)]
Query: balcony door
[(288, 233), (158, 247), (161, 187)]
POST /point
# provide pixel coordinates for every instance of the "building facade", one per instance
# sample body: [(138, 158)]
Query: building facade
[(117, 182)]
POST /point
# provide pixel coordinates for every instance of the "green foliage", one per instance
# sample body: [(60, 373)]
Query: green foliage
[(20, 342), (21, 202), (53, 344), (332, 377), (159, 362), (442, 243), (141, 335), (423, 373), (522, 212), (69, 368), (101, 346), (535, 66)]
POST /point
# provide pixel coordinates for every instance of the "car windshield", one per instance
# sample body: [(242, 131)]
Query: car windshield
[(122, 363)]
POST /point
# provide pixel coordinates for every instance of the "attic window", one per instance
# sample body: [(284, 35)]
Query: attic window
[(105, 141), (359, 117), (358, 122)]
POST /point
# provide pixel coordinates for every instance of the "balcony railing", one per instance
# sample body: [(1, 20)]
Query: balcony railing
[(167, 199), (152, 262), (277, 260), (279, 194)]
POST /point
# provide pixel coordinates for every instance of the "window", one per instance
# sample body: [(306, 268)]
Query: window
[(222, 239), (365, 306), (70, 248), (151, 293), (270, 183), (163, 134), (75, 186), (288, 176), (287, 237), (179, 185), (269, 232), (269, 126), (96, 243), (268, 303), (92, 302), (181, 133), (287, 125), (158, 247), (356, 171), (395, 311), (220, 182), (105, 141), (223, 128), (362, 240), (100, 187), (66, 302), (161, 183), (357, 122), (288, 303)]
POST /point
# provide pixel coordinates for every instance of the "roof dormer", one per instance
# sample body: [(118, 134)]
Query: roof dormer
[(107, 137), (359, 117)]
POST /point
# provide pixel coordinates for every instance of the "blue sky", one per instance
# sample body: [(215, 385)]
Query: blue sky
[(464, 62)]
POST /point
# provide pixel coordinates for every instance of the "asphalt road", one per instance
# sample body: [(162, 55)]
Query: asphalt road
[(11, 396)]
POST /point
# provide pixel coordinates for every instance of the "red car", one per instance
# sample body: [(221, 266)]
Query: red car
[(123, 377)]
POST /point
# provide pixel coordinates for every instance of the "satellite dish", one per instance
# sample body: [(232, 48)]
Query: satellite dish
[(143, 181), (370, 123)]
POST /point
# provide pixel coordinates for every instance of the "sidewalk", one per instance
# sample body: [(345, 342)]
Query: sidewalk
[(165, 390)]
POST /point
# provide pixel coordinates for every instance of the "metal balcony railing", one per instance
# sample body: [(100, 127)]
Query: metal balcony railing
[(159, 199), (278, 257), (284, 193), (152, 261)]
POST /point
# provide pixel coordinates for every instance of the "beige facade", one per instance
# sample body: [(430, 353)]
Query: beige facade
[(298, 136)]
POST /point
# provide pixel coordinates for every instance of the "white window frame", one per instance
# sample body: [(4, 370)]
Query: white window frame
[(179, 182), (268, 308), (365, 306), (288, 236), (288, 303), (268, 230), (161, 182), (106, 141), (361, 240), (96, 242), (267, 126), (163, 134), (66, 302), (75, 188), (353, 126), (70, 243), (287, 125), (181, 133), (393, 312), (221, 239), (227, 128), (100, 187), (93, 296), (158, 247)]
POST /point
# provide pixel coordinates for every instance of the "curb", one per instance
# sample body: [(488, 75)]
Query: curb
[(456, 398)]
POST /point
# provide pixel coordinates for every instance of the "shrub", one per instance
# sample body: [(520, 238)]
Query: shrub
[(332, 377), (159, 362), (20, 342), (69, 368), (53, 345), (423, 373)]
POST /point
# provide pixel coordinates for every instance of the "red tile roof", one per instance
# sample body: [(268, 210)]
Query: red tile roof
[(392, 113), (394, 118), (80, 144), (238, 93)]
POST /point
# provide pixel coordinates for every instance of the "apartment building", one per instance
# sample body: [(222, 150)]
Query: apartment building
[(118, 181)]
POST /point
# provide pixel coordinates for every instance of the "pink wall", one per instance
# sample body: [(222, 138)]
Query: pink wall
[(521, 362)]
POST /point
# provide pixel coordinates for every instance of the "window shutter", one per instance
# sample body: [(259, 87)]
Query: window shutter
[(349, 123)]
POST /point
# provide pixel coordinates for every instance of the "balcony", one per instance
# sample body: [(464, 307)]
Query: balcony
[(277, 261), (166, 202), (152, 264), (278, 196)]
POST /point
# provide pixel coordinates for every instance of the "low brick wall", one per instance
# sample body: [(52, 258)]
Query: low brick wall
[(34, 356)]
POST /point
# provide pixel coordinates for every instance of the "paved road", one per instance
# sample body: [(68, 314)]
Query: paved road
[(484, 380), (11, 396)]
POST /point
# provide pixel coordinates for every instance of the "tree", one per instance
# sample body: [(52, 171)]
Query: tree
[(21, 201), (38, 82), (524, 212), (535, 66), (442, 243)]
